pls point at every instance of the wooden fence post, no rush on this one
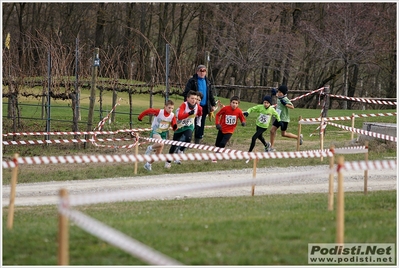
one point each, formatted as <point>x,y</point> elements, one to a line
<point>321,137</point>
<point>10,219</point>
<point>63,232</point>
<point>136,152</point>
<point>340,203</point>
<point>366,172</point>
<point>326,105</point>
<point>331,181</point>
<point>96,64</point>
<point>130,109</point>
<point>352,125</point>
<point>114,101</point>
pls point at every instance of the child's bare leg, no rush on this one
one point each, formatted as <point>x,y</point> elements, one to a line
<point>158,147</point>
<point>273,132</point>
<point>288,135</point>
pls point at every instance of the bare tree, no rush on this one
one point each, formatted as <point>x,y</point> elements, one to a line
<point>346,31</point>
<point>304,45</point>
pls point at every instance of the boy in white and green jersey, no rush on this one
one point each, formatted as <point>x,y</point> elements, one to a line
<point>283,104</point>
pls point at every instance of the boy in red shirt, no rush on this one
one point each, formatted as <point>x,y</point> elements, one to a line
<point>188,110</point>
<point>226,121</point>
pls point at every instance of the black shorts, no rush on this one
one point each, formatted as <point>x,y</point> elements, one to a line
<point>277,125</point>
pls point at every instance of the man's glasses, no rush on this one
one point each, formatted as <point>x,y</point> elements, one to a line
<point>202,71</point>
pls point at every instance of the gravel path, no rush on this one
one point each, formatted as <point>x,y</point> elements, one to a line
<point>31,194</point>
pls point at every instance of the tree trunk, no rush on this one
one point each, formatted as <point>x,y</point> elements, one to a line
<point>200,55</point>
<point>163,20</point>
<point>99,35</point>
<point>353,83</point>
<point>346,77</point>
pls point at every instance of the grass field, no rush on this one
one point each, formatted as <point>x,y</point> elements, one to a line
<point>259,230</point>
<point>240,141</point>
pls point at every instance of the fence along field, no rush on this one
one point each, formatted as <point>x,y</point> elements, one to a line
<point>152,256</point>
<point>82,113</point>
<point>323,114</point>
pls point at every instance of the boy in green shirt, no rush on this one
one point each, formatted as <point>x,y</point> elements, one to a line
<point>266,111</point>
<point>283,104</point>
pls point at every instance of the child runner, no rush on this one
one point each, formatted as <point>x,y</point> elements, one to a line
<point>180,149</point>
<point>226,122</point>
<point>283,104</point>
<point>188,110</point>
<point>164,118</point>
<point>266,111</point>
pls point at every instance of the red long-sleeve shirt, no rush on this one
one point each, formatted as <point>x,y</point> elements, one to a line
<point>155,123</point>
<point>228,118</point>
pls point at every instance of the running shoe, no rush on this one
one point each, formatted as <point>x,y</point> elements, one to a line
<point>214,161</point>
<point>178,161</point>
<point>300,139</point>
<point>272,149</point>
<point>167,165</point>
<point>149,150</point>
<point>147,166</point>
<point>267,147</point>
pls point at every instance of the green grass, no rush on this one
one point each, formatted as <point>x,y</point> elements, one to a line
<point>240,140</point>
<point>259,230</point>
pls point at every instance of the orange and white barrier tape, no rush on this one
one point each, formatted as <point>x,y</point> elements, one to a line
<point>363,100</point>
<point>77,133</point>
<point>341,118</point>
<point>126,158</point>
<point>102,122</point>
<point>117,238</point>
<point>41,142</point>
<point>307,94</point>
<point>223,153</point>
<point>193,146</point>
<point>132,246</point>
<point>351,150</point>
<point>344,150</point>
<point>370,165</point>
<point>148,254</point>
<point>365,132</point>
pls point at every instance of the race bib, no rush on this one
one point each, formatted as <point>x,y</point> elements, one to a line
<point>185,122</point>
<point>164,125</point>
<point>264,118</point>
<point>278,111</point>
<point>231,119</point>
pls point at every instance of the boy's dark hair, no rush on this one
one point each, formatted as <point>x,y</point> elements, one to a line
<point>191,92</point>
<point>236,98</point>
<point>199,94</point>
<point>169,102</point>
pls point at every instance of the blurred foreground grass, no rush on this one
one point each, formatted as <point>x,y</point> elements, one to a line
<point>258,230</point>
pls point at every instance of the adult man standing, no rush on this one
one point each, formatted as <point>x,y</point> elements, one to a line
<point>199,82</point>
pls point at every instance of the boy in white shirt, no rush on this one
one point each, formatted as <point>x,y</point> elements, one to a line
<point>164,118</point>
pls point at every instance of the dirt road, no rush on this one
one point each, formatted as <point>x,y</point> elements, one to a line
<point>31,194</point>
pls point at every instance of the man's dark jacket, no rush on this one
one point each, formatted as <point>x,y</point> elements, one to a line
<point>192,84</point>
